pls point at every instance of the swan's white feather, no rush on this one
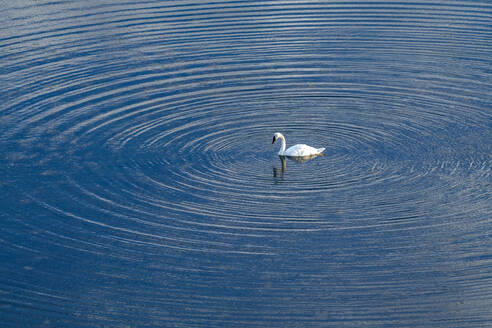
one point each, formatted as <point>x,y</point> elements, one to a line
<point>302,150</point>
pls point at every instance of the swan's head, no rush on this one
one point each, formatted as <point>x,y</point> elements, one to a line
<point>276,136</point>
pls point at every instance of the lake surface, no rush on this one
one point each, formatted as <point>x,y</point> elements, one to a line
<point>139,186</point>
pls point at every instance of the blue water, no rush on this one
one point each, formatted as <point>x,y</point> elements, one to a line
<point>139,186</point>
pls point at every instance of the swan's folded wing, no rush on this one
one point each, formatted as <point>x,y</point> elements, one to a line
<point>301,150</point>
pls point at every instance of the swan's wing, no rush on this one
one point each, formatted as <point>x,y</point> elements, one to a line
<point>301,150</point>
<point>295,150</point>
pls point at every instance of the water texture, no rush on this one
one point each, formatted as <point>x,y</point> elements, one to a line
<point>139,186</point>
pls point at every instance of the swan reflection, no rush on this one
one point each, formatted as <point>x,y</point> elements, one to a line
<point>279,173</point>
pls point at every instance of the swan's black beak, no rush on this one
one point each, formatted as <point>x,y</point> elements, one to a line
<point>273,139</point>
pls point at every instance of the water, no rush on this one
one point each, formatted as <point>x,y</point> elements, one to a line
<point>140,187</point>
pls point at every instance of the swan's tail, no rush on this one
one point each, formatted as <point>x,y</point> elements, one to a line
<point>320,150</point>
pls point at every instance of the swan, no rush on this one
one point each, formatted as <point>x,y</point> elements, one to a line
<point>299,150</point>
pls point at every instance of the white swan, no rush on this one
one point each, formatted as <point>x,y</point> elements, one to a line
<point>297,150</point>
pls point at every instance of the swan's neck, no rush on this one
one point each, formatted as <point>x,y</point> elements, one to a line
<point>282,145</point>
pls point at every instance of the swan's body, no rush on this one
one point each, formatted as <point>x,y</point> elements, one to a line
<point>299,150</point>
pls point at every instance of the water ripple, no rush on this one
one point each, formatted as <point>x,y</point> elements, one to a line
<point>134,131</point>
